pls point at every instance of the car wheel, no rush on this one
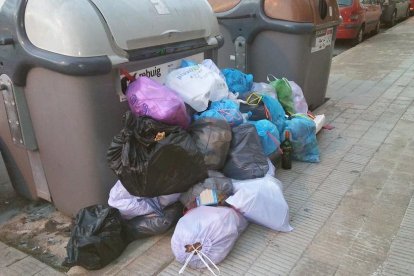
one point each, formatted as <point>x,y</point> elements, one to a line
<point>393,19</point>
<point>377,27</point>
<point>360,36</point>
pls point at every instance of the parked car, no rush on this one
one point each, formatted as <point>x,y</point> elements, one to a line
<point>394,10</point>
<point>360,17</point>
<point>411,7</point>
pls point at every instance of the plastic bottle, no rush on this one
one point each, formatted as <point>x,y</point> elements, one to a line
<point>286,148</point>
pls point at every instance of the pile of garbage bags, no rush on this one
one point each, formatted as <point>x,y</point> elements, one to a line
<point>197,152</point>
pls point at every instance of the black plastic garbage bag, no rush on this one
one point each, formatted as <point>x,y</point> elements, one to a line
<point>258,111</point>
<point>96,239</point>
<point>254,104</point>
<point>213,138</point>
<point>215,181</point>
<point>246,159</point>
<point>152,224</point>
<point>153,159</point>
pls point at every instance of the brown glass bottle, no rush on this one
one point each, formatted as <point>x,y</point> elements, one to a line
<point>287,149</point>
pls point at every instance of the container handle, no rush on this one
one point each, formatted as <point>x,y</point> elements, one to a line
<point>6,40</point>
<point>170,32</point>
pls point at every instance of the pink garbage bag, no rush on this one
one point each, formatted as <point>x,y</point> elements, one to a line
<point>147,97</point>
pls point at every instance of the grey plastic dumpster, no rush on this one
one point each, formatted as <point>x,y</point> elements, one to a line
<point>285,38</point>
<point>60,63</point>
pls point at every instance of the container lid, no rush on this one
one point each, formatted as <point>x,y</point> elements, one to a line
<point>311,11</point>
<point>145,23</point>
<point>92,28</point>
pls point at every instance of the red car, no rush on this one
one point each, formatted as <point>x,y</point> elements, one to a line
<point>360,17</point>
<point>411,7</point>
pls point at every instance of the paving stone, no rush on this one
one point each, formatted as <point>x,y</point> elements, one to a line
<point>159,255</point>
<point>402,133</point>
<point>286,177</point>
<point>47,271</point>
<point>310,178</point>
<point>321,170</point>
<point>392,92</point>
<point>309,266</point>
<point>390,151</point>
<point>26,266</point>
<point>356,158</point>
<point>351,213</point>
<point>299,167</point>
<point>408,117</point>
<point>376,134</point>
<point>350,167</point>
<point>403,178</point>
<point>363,150</point>
<point>327,251</point>
<point>357,266</point>
<point>130,254</point>
<point>369,142</point>
<point>9,256</point>
<point>387,213</point>
<point>343,272</point>
<point>368,244</point>
<point>380,166</point>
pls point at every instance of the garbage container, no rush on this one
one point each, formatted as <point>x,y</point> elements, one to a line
<point>60,64</point>
<point>292,39</point>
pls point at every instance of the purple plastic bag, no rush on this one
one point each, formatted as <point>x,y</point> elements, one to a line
<point>147,97</point>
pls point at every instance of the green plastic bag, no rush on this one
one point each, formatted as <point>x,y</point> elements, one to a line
<point>284,94</point>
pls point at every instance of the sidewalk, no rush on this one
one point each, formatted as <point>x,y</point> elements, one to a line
<point>353,213</point>
<point>12,261</point>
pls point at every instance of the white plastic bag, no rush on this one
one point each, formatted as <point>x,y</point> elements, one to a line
<point>261,201</point>
<point>132,206</point>
<point>213,67</point>
<point>197,85</point>
<point>264,89</point>
<point>206,235</point>
<point>298,99</point>
<point>319,121</point>
<point>272,168</point>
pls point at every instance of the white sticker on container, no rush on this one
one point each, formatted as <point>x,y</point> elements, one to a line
<point>323,39</point>
<point>330,11</point>
<point>158,72</point>
<point>2,3</point>
<point>160,7</point>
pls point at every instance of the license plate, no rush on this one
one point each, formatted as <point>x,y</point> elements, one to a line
<point>323,39</point>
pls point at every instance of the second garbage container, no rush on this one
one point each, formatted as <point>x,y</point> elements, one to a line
<point>292,39</point>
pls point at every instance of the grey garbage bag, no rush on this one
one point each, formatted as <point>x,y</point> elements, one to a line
<point>246,159</point>
<point>152,224</point>
<point>212,137</point>
<point>133,206</point>
<point>215,181</point>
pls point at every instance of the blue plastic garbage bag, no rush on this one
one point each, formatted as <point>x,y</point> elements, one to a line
<point>225,109</point>
<point>268,134</point>
<point>276,112</point>
<point>237,81</point>
<point>187,63</point>
<point>303,138</point>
